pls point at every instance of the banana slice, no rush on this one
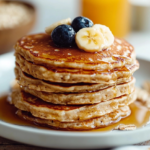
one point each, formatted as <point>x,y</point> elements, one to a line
<point>108,36</point>
<point>90,40</point>
<point>49,29</point>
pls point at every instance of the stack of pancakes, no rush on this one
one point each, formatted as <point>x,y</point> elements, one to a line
<point>71,89</point>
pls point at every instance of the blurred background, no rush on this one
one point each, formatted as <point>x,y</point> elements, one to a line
<point>129,19</point>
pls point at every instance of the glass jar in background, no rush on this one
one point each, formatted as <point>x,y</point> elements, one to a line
<point>113,13</point>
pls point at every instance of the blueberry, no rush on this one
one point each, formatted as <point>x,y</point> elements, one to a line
<point>81,22</point>
<point>63,36</point>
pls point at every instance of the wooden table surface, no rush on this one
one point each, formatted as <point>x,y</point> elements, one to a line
<point>6,144</point>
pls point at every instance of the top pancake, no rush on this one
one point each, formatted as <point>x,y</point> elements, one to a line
<point>40,49</point>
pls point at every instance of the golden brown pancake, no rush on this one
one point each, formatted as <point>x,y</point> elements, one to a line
<point>75,89</point>
<point>40,50</point>
<point>86,97</point>
<point>99,122</point>
<point>32,83</point>
<point>75,75</point>
<point>63,113</point>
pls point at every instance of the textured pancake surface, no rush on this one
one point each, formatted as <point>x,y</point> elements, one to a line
<point>86,97</point>
<point>40,49</point>
<point>63,113</point>
<point>32,83</point>
<point>102,121</point>
<point>75,75</point>
<point>68,88</point>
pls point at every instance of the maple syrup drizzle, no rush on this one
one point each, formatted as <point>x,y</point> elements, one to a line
<point>140,116</point>
<point>7,113</point>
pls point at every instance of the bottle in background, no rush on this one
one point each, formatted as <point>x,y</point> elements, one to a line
<point>113,13</point>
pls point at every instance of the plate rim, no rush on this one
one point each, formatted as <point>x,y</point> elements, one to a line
<point>70,133</point>
<point>88,138</point>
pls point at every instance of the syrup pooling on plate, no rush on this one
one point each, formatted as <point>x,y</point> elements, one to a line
<point>139,116</point>
<point>8,113</point>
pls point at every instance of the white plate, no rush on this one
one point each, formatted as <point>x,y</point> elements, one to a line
<point>63,139</point>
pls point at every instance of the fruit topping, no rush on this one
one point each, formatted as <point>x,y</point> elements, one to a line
<point>63,35</point>
<point>108,36</point>
<point>81,22</point>
<point>90,40</point>
<point>49,29</point>
<point>82,32</point>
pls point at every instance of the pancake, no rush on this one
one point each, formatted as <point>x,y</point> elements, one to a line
<point>84,98</point>
<point>40,50</point>
<point>38,108</point>
<point>99,122</point>
<point>32,83</point>
<point>66,75</point>
<point>68,88</point>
